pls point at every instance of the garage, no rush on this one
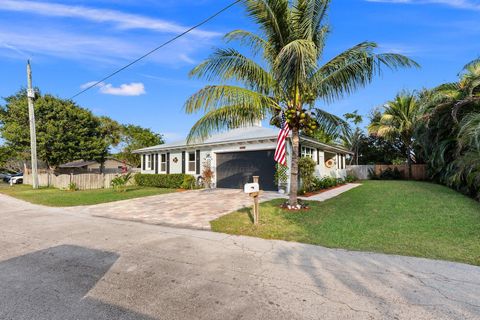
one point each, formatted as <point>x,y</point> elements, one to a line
<point>234,169</point>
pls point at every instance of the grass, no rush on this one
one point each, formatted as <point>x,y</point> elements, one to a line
<point>61,198</point>
<point>397,217</point>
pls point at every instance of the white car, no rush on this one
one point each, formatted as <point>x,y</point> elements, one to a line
<point>16,180</point>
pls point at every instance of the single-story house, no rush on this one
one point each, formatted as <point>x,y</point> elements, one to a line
<point>237,155</point>
<point>111,165</point>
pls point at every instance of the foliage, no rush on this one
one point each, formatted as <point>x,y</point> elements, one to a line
<point>351,177</point>
<point>387,174</point>
<point>289,77</point>
<point>398,161</point>
<point>72,186</point>
<point>398,122</point>
<point>120,182</point>
<point>135,137</point>
<point>450,129</point>
<point>395,217</point>
<point>306,166</point>
<point>65,131</point>
<point>326,183</point>
<point>188,182</point>
<point>207,174</point>
<point>377,150</point>
<point>58,198</point>
<point>175,180</point>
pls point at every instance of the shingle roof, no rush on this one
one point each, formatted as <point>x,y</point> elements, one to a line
<point>76,164</point>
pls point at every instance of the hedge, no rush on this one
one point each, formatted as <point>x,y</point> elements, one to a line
<point>175,180</point>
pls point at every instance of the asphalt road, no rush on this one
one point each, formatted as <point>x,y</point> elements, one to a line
<point>57,264</point>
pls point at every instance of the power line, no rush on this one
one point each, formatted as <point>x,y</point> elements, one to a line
<point>157,48</point>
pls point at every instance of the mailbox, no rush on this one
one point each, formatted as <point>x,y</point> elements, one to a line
<point>251,187</point>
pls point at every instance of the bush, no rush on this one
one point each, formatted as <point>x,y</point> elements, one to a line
<point>119,183</point>
<point>175,180</point>
<point>387,174</point>
<point>306,167</point>
<point>188,182</point>
<point>351,177</point>
<point>390,174</point>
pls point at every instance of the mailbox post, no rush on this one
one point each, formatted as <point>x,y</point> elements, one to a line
<point>253,190</point>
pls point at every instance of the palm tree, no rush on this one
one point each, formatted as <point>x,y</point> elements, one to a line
<point>282,73</point>
<point>449,133</point>
<point>398,121</point>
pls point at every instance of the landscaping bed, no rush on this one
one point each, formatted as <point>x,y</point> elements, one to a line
<point>397,217</point>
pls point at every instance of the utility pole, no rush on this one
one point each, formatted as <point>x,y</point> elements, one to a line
<point>33,135</point>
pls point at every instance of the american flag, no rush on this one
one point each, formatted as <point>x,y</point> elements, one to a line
<point>280,151</point>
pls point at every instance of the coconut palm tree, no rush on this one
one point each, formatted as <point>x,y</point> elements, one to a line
<point>282,73</point>
<point>398,121</point>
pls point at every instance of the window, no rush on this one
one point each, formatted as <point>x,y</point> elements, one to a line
<point>307,152</point>
<point>191,162</point>
<point>163,162</point>
<point>149,161</point>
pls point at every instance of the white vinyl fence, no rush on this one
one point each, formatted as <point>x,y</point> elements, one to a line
<point>361,171</point>
<point>83,181</point>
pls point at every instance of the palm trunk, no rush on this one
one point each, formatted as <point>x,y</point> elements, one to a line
<point>409,162</point>
<point>294,167</point>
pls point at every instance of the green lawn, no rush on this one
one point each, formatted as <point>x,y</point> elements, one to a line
<point>60,198</point>
<point>399,217</point>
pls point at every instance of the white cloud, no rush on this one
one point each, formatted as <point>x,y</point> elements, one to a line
<point>119,19</point>
<point>126,89</point>
<point>460,4</point>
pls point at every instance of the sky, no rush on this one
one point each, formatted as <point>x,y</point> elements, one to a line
<point>74,42</point>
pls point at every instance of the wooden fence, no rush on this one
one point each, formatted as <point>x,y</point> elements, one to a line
<point>419,171</point>
<point>83,181</point>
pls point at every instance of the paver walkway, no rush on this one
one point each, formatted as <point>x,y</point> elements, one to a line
<point>60,265</point>
<point>332,193</point>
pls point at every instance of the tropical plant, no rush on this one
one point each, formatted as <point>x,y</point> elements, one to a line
<point>398,121</point>
<point>450,131</point>
<point>135,137</point>
<point>283,74</point>
<point>306,166</point>
<point>120,182</point>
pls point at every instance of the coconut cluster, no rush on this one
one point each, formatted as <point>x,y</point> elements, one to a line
<point>302,119</point>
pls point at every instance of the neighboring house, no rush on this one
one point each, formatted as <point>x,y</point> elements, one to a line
<point>237,155</point>
<point>111,165</point>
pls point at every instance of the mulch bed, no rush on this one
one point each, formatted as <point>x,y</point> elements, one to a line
<point>309,194</point>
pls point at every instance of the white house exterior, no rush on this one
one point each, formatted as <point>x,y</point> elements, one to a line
<point>237,155</point>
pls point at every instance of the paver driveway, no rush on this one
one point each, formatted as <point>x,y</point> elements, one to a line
<point>56,265</point>
<point>189,209</point>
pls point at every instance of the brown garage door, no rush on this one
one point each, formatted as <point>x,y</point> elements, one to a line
<point>234,169</point>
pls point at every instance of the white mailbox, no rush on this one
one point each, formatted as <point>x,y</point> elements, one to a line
<point>251,187</point>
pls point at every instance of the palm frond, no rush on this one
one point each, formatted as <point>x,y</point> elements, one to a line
<point>331,124</point>
<point>225,117</point>
<point>353,69</point>
<point>229,64</point>
<point>256,43</point>
<point>212,97</point>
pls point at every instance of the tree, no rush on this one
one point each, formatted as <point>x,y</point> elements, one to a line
<point>351,139</point>
<point>65,131</point>
<point>282,74</point>
<point>449,131</point>
<point>398,121</point>
<point>135,137</point>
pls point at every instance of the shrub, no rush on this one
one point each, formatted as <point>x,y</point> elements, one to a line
<point>119,183</point>
<point>351,177</point>
<point>390,174</point>
<point>72,186</point>
<point>188,182</point>
<point>306,167</point>
<point>175,180</point>
<point>207,175</point>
